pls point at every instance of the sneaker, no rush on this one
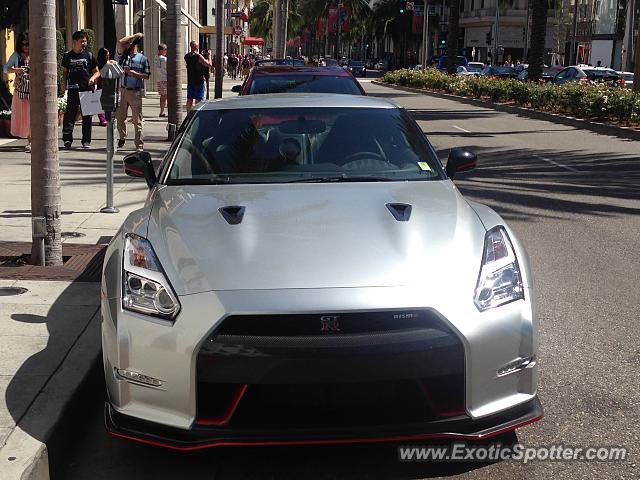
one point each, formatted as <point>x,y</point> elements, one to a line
<point>120,143</point>
<point>67,145</point>
<point>162,115</point>
<point>27,149</point>
<point>86,145</point>
<point>103,124</point>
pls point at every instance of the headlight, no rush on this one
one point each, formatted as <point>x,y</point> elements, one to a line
<point>145,288</point>
<point>499,281</point>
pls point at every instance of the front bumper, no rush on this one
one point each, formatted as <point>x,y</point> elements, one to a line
<point>170,352</point>
<point>460,428</point>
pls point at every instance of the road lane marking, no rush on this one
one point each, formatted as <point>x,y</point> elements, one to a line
<point>461,129</point>
<point>557,164</point>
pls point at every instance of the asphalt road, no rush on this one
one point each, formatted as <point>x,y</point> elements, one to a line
<point>573,197</point>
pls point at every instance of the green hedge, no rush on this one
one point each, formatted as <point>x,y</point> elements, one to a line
<point>60,49</point>
<point>597,101</point>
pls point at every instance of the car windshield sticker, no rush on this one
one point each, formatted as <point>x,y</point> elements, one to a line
<point>424,166</point>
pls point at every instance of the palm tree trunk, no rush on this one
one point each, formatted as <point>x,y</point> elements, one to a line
<point>452,36</point>
<point>45,171</point>
<point>284,23</point>
<point>538,38</point>
<point>275,35</point>
<point>174,70</point>
<point>636,69</point>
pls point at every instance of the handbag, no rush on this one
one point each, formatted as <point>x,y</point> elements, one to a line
<point>22,82</point>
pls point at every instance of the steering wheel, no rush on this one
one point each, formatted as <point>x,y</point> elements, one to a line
<point>363,156</point>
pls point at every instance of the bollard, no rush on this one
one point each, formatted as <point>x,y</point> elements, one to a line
<point>39,232</point>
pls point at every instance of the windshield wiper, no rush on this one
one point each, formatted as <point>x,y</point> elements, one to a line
<point>342,178</point>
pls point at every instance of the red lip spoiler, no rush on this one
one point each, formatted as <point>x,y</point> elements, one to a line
<point>452,436</point>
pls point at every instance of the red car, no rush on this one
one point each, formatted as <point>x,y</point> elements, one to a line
<point>290,79</point>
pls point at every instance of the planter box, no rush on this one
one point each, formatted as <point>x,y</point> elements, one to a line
<point>5,127</point>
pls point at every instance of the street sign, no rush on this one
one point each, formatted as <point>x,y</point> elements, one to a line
<point>410,6</point>
<point>237,30</point>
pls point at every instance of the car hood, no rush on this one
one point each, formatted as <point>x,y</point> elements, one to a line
<point>324,235</point>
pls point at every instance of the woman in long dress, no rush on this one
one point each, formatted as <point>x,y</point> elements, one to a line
<point>18,63</point>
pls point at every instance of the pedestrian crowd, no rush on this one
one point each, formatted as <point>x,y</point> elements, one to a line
<point>81,74</point>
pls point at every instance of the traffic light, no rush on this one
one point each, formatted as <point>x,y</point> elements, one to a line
<point>524,34</point>
<point>489,37</point>
<point>403,6</point>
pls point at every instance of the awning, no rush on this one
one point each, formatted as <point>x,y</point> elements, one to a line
<point>253,41</point>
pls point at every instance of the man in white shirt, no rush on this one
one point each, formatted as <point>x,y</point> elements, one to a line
<point>161,67</point>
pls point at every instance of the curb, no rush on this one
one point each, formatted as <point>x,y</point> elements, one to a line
<point>597,127</point>
<point>24,457</point>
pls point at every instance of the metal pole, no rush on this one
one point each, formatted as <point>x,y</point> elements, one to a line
<point>109,208</point>
<point>219,37</point>
<point>496,29</point>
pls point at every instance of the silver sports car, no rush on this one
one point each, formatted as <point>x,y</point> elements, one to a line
<point>305,271</point>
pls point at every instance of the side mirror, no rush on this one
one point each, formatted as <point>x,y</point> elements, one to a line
<point>236,88</point>
<point>139,164</point>
<point>460,160</point>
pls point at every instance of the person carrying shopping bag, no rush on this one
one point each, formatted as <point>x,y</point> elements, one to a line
<point>80,74</point>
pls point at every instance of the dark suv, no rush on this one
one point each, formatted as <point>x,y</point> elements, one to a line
<point>291,79</point>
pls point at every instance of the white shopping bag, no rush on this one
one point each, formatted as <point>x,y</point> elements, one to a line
<point>90,102</point>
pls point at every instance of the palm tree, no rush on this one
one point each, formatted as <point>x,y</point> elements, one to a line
<point>45,170</point>
<point>538,38</point>
<point>174,70</point>
<point>452,36</point>
<point>261,19</point>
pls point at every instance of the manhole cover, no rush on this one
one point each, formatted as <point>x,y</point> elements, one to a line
<point>11,291</point>
<point>72,234</point>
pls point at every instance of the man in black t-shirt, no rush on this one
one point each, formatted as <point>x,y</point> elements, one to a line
<point>80,73</point>
<point>197,66</point>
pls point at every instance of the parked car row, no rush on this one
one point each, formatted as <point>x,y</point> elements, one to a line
<point>554,75</point>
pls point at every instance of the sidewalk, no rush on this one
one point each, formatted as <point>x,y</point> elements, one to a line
<point>50,334</point>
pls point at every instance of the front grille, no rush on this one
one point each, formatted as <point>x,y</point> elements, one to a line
<point>293,325</point>
<point>369,368</point>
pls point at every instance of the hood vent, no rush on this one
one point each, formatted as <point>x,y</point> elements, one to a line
<point>233,214</point>
<point>401,211</point>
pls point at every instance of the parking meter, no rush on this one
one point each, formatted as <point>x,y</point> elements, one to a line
<point>111,74</point>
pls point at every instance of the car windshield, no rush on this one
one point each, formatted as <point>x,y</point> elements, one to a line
<point>278,145</point>
<point>304,83</point>
<point>356,63</point>
<point>628,77</point>
<point>504,70</point>
<point>474,68</point>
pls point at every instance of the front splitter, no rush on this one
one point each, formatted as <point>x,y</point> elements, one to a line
<point>458,428</point>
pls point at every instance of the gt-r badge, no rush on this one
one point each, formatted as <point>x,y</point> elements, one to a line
<point>329,324</point>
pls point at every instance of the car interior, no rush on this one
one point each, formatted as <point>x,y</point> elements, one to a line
<point>243,142</point>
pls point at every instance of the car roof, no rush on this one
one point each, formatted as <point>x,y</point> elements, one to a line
<point>297,100</point>
<point>293,70</point>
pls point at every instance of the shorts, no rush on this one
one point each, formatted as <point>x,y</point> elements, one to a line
<point>162,87</point>
<point>196,92</point>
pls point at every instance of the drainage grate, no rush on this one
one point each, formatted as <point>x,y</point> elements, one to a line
<point>72,235</point>
<point>12,291</point>
<point>82,263</point>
